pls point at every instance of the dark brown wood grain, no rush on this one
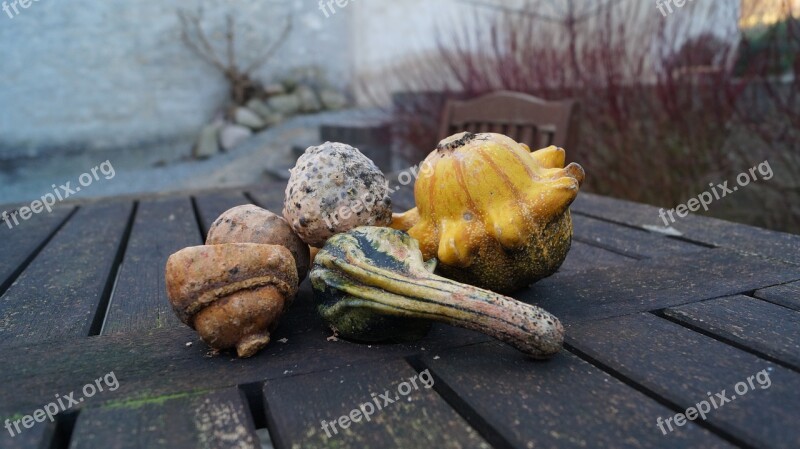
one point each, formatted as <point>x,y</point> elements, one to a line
<point>37,437</point>
<point>160,228</point>
<point>787,295</point>
<point>563,402</point>
<point>60,294</point>
<point>636,243</point>
<point>758,325</point>
<point>654,284</point>
<point>19,244</point>
<point>216,419</point>
<point>684,367</point>
<point>582,256</point>
<point>705,230</point>
<point>153,363</point>
<point>408,417</point>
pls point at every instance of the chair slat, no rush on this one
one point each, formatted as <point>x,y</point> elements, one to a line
<point>520,114</point>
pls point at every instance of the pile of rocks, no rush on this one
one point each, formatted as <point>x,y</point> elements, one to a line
<point>280,102</point>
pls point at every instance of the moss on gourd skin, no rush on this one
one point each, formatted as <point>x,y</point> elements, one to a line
<point>371,284</point>
<point>495,214</point>
<point>346,313</point>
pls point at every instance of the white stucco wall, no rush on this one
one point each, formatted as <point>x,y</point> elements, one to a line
<point>114,73</point>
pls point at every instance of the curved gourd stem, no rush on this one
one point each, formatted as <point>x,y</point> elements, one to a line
<point>415,293</point>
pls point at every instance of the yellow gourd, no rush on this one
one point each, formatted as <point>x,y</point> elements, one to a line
<point>495,214</point>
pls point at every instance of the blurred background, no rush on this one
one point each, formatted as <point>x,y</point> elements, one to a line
<point>182,95</point>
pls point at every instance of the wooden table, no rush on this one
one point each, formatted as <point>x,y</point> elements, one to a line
<point>655,324</point>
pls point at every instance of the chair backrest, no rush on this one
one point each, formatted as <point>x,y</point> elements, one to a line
<point>524,118</point>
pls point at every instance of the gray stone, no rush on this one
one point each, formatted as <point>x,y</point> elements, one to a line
<point>207,144</point>
<point>259,107</point>
<point>232,135</point>
<point>273,118</point>
<point>274,89</point>
<point>332,99</point>
<point>308,99</point>
<point>289,85</point>
<point>285,104</point>
<point>248,118</point>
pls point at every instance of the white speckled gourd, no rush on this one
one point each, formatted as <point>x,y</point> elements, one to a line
<point>334,188</point>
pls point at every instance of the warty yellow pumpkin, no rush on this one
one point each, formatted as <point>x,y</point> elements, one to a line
<point>494,214</point>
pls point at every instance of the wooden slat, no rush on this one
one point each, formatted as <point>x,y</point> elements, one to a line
<point>787,295</point>
<point>302,315</point>
<point>270,197</point>
<point>157,362</point>
<point>763,327</point>
<point>218,419</point>
<point>706,230</point>
<point>59,294</point>
<point>297,406</point>
<point>211,206</point>
<point>37,437</point>
<point>655,284</point>
<point>140,302</point>
<point>684,367</point>
<point>527,134</point>
<point>582,256</point>
<point>563,402</point>
<point>18,244</point>
<point>497,127</point>
<point>636,243</point>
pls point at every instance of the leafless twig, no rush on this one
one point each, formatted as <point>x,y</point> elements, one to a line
<point>242,85</point>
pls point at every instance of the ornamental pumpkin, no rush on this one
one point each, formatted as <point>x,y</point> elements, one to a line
<point>371,284</point>
<point>494,214</point>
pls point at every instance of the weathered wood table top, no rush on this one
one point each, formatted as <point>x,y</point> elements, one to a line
<point>656,325</point>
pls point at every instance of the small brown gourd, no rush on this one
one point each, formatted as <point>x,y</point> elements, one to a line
<point>232,294</point>
<point>252,224</point>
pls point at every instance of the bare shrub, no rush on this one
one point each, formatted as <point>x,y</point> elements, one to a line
<point>663,109</point>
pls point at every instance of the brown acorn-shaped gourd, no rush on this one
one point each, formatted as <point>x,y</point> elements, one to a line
<point>232,294</point>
